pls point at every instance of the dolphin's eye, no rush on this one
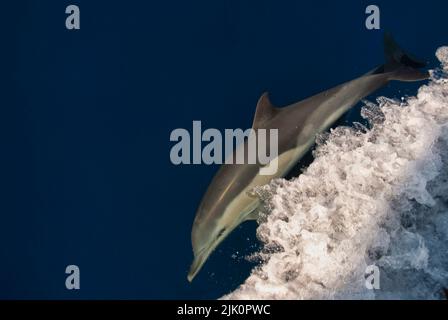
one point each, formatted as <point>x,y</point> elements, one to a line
<point>221,232</point>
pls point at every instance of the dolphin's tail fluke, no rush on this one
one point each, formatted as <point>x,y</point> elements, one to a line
<point>395,56</point>
<point>401,65</point>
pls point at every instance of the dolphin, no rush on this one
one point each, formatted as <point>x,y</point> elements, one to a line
<point>228,200</point>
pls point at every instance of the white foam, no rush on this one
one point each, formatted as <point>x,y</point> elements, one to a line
<point>371,196</point>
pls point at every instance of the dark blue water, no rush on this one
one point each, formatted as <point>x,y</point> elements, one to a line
<point>87,115</point>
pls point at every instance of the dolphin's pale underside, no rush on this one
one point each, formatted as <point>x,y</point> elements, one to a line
<point>228,201</point>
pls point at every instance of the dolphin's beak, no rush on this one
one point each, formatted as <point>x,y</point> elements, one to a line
<point>197,264</point>
<point>204,253</point>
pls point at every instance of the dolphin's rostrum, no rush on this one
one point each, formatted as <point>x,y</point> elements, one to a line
<point>228,201</point>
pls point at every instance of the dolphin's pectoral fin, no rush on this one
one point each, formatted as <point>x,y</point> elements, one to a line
<point>253,215</point>
<point>264,112</point>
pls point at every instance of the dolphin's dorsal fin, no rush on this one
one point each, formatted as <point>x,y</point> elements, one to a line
<point>265,111</point>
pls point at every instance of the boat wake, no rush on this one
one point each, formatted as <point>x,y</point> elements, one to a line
<point>373,196</point>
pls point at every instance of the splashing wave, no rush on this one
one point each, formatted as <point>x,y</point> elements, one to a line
<point>375,196</point>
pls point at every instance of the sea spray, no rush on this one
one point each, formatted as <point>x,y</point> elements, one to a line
<point>373,196</point>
